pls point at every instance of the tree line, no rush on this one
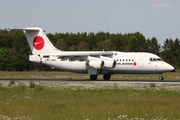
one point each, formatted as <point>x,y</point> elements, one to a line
<point>15,51</point>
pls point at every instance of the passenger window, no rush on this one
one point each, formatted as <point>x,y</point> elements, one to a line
<point>46,56</point>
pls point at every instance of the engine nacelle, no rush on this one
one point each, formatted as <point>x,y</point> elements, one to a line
<point>98,64</point>
<point>109,63</point>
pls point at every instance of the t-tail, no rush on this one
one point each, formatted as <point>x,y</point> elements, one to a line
<point>39,42</point>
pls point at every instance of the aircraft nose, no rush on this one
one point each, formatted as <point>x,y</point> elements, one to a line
<point>171,68</point>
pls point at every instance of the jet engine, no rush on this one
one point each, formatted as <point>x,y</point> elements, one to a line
<point>109,63</point>
<point>98,64</point>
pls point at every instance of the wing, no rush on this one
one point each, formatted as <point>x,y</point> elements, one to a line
<point>84,55</point>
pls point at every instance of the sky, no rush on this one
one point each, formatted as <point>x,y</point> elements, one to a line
<point>152,18</point>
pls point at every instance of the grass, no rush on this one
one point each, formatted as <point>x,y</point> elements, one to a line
<point>76,76</point>
<point>31,84</point>
<point>112,102</point>
<point>45,103</point>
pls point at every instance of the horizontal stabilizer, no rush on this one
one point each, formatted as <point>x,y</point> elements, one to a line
<point>26,29</point>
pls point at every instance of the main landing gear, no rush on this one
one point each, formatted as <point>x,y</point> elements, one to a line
<point>105,77</point>
<point>93,77</point>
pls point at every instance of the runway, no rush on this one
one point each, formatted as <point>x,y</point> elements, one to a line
<point>93,82</point>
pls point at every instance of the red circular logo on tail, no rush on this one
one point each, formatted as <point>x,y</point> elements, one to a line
<point>38,42</point>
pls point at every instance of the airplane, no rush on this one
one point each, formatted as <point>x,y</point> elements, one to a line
<point>92,62</point>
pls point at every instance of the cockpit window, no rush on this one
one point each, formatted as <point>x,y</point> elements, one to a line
<point>159,59</point>
<point>150,59</point>
<point>155,59</point>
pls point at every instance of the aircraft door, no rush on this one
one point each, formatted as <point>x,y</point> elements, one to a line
<point>153,62</point>
<point>141,61</point>
<point>59,62</point>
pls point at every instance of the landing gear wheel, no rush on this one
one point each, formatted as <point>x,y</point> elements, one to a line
<point>161,78</point>
<point>93,77</point>
<point>107,76</point>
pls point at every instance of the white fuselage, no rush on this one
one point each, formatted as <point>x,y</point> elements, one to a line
<point>126,63</point>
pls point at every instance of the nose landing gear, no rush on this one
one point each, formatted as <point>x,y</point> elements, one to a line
<point>161,78</point>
